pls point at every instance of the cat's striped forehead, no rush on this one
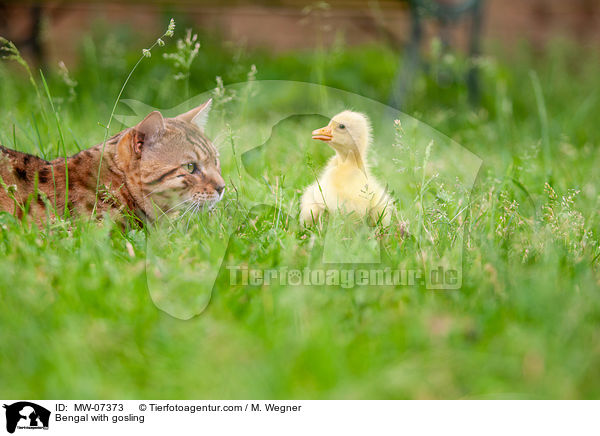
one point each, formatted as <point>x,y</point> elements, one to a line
<point>185,136</point>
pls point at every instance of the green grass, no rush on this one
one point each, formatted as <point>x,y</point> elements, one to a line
<point>79,321</point>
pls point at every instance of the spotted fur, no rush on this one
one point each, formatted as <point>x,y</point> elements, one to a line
<point>147,170</point>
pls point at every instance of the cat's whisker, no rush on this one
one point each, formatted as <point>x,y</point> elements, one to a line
<point>187,223</point>
<point>189,209</point>
<point>177,205</point>
<point>196,207</point>
<point>185,212</point>
<point>151,192</point>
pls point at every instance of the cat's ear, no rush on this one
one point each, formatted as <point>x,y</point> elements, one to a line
<point>152,125</point>
<point>198,115</point>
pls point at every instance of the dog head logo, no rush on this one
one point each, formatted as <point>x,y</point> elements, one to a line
<point>26,415</point>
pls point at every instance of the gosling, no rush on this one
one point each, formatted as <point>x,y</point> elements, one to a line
<point>346,184</point>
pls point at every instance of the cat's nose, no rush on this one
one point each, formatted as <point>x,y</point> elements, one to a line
<point>220,189</point>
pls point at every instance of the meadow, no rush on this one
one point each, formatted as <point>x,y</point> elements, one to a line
<point>505,191</point>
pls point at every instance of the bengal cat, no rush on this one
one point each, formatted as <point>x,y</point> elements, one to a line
<point>157,166</point>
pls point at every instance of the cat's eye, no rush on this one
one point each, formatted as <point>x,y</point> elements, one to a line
<point>342,126</point>
<point>190,167</point>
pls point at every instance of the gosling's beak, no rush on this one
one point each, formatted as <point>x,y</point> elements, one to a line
<point>324,134</point>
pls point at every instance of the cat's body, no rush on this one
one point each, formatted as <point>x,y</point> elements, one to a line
<point>146,170</point>
<point>19,172</point>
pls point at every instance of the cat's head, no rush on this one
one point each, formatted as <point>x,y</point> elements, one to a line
<point>171,163</point>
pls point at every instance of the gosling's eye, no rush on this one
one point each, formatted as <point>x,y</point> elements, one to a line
<point>342,126</point>
<point>190,167</point>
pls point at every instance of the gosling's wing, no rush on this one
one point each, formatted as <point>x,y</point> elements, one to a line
<point>312,204</point>
<point>382,204</point>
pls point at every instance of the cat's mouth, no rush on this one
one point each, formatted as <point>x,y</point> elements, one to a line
<point>207,202</point>
<point>197,203</point>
